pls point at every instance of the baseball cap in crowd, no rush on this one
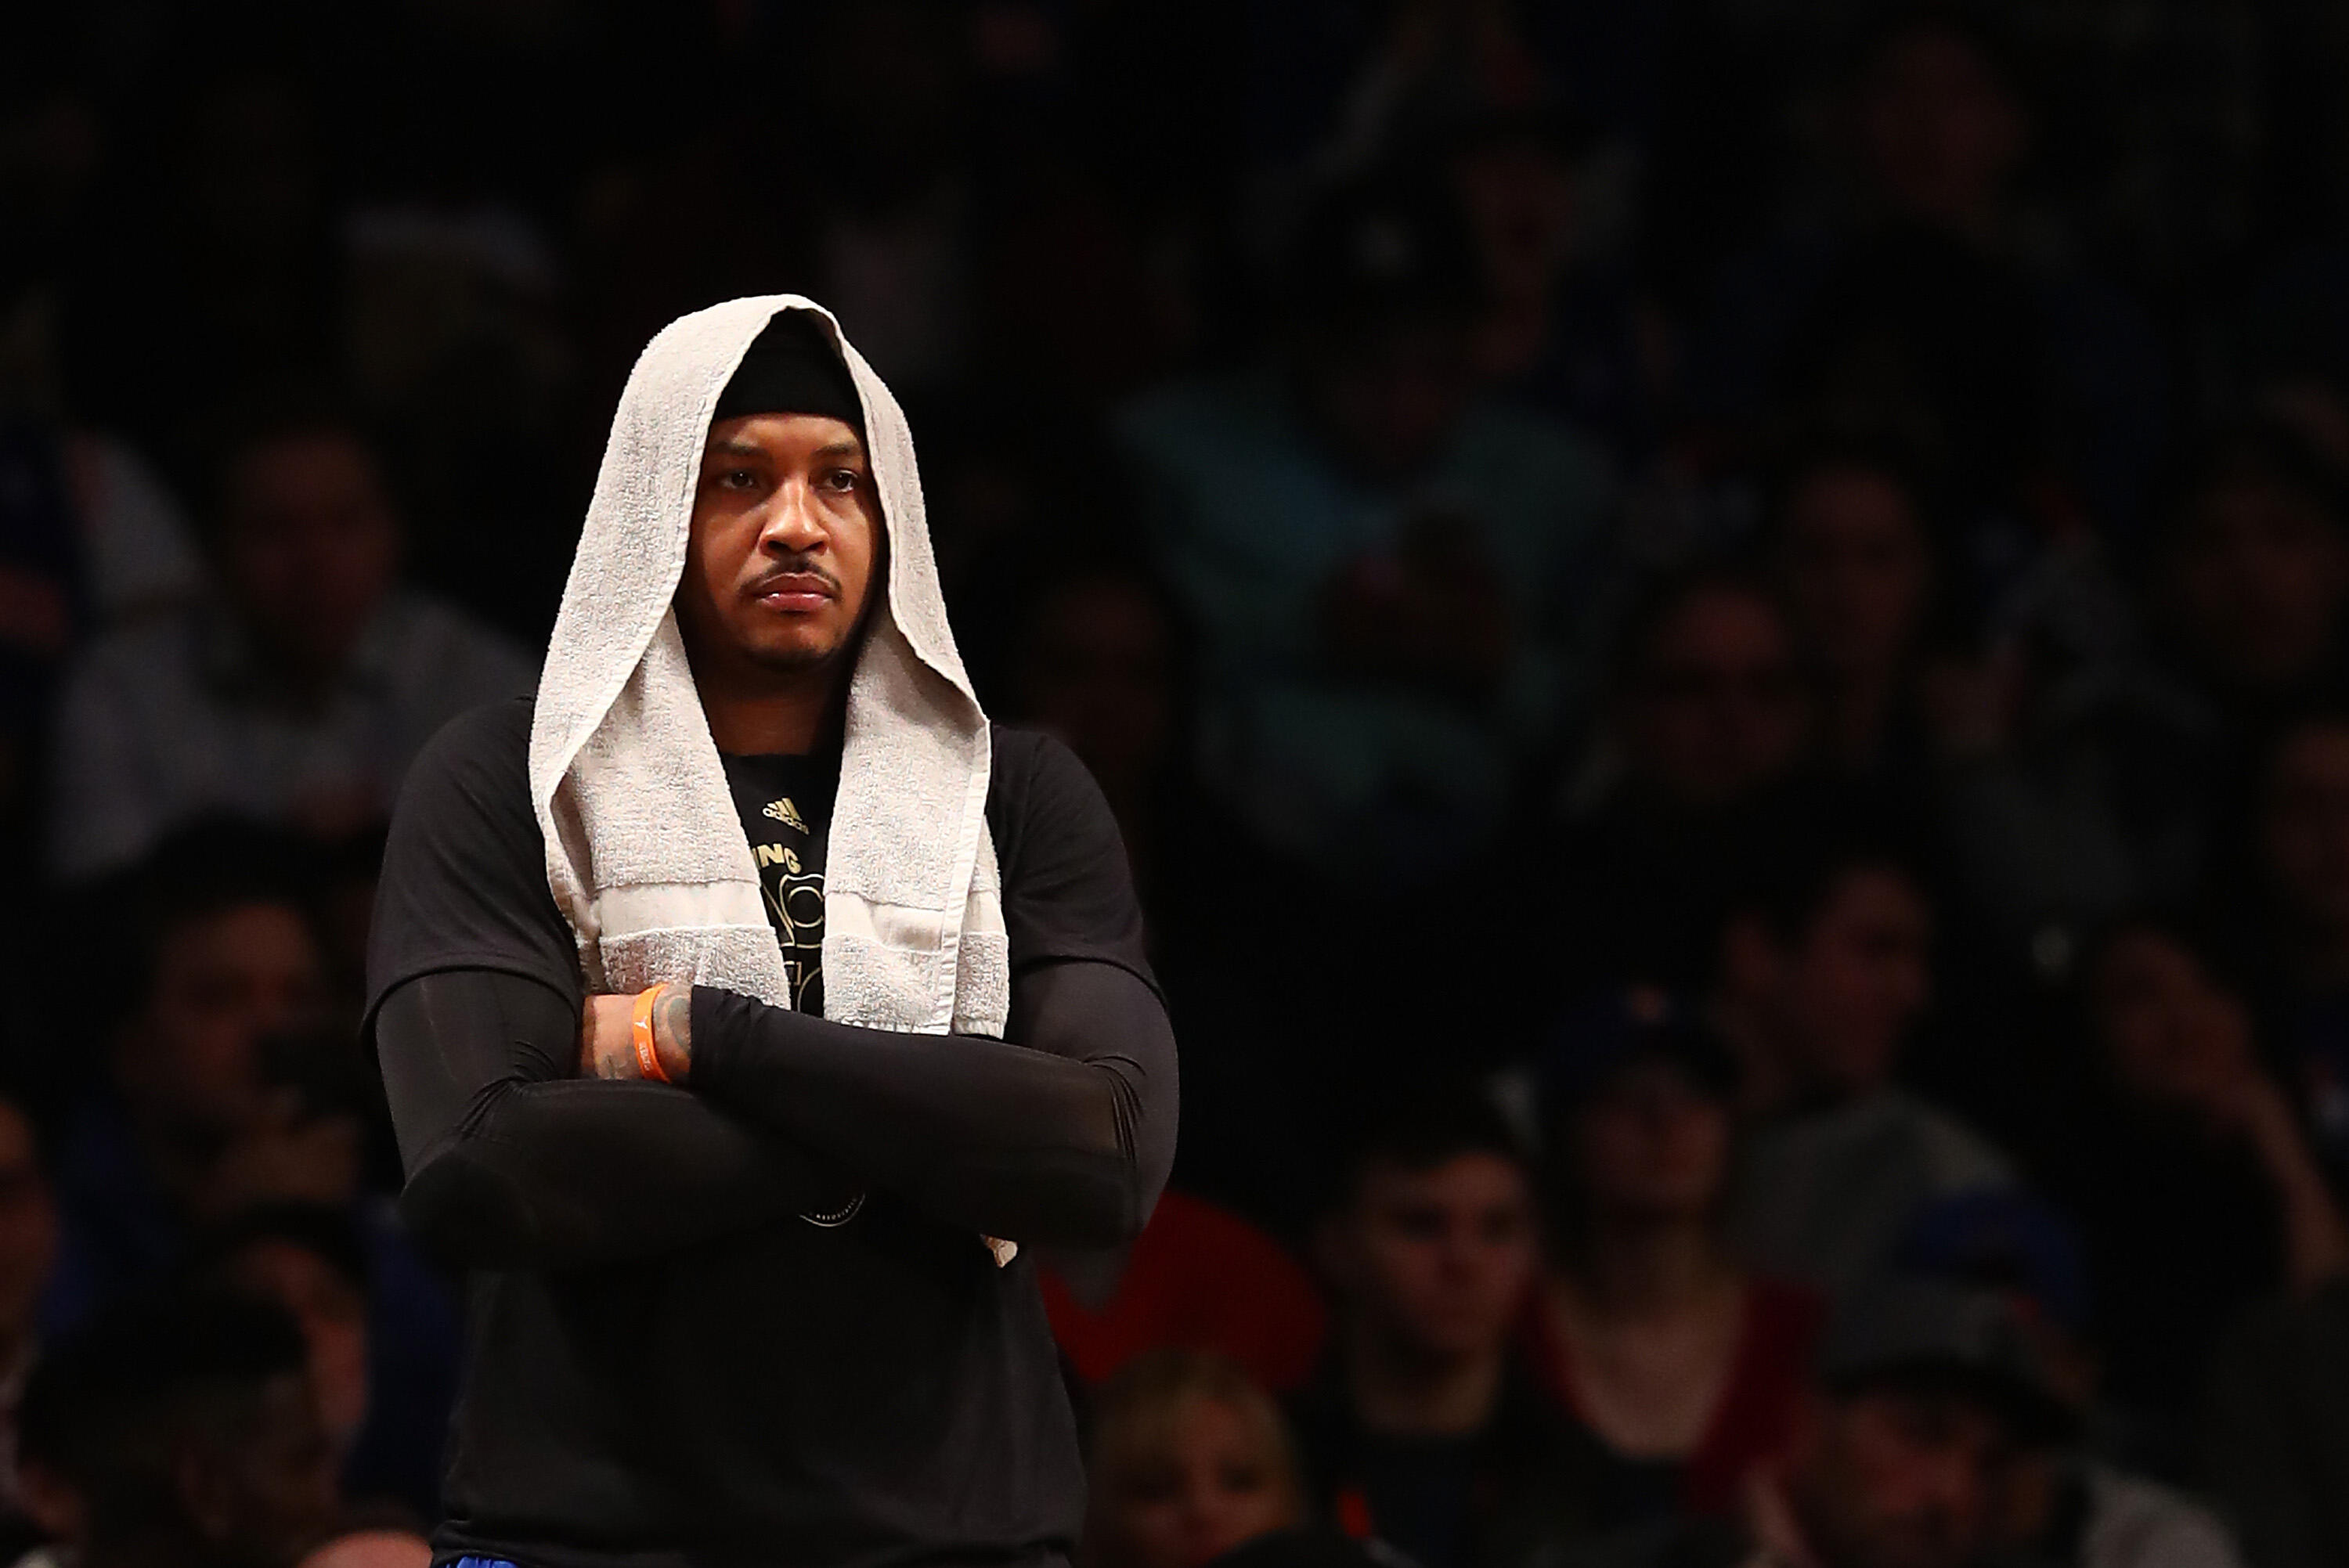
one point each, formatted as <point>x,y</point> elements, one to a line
<point>2002,1240</point>
<point>1907,1332</point>
<point>1616,1030</point>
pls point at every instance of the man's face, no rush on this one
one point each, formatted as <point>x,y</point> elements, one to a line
<point>2305,827</point>
<point>1438,1261</point>
<point>1854,568</point>
<point>786,535</point>
<point>1843,994</point>
<point>1652,1144</point>
<point>1941,133</point>
<point>308,546</point>
<point>1716,709</point>
<point>28,1224</point>
<point>2257,577</point>
<point>1895,1479</point>
<point>221,984</point>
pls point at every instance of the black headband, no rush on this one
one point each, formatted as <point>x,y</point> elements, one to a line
<point>792,368</point>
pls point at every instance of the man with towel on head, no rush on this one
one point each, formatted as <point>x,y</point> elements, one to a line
<point>747,1002</point>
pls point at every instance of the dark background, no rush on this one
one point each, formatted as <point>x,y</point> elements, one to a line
<point>2054,292</point>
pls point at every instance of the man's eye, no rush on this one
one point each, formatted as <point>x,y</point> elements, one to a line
<point>738,479</point>
<point>842,480</point>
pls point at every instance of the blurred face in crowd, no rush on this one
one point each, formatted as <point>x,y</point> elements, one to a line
<point>28,1226</point>
<point>222,983</point>
<point>2304,828</point>
<point>1836,997</point>
<point>1436,1263</point>
<point>1715,709</point>
<point>308,546</point>
<point>1518,195</point>
<point>1854,568</point>
<point>785,540</point>
<point>1212,1479</point>
<point>2170,1034</point>
<point>2258,574</point>
<point>1890,1477</point>
<point>1652,1146</point>
<point>1386,398</point>
<point>331,1311</point>
<point>260,1487</point>
<point>1939,130</point>
<point>1097,670</point>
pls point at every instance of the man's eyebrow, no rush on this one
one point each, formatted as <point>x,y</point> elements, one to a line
<point>735,447</point>
<point>841,449</point>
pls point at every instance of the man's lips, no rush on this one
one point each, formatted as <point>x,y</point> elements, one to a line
<point>795,593</point>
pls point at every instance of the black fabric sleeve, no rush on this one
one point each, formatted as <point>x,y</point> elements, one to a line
<point>1065,1139</point>
<point>512,1163</point>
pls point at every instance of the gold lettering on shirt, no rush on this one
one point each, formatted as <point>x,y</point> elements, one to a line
<point>781,855</point>
<point>786,813</point>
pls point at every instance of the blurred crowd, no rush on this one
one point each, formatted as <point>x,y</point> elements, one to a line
<point>1718,629</point>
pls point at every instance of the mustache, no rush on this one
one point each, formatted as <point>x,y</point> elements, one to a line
<point>766,581</point>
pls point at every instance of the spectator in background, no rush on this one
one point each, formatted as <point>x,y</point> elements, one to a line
<point>2072,789</point>
<point>1687,1368</point>
<point>229,1088</point>
<point>1388,577</point>
<point>385,1409</point>
<point>1096,659</point>
<point>2252,583</point>
<point>2299,951</point>
<point>188,1433</point>
<point>1423,1431</point>
<point>1708,715</point>
<point>1927,306</point>
<point>1851,551</point>
<point>1560,332</point>
<point>300,696</point>
<point>2197,1191</point>
<point>28,1249</point>
<point>201,1112</point>
<point>1824,971</point>
<point>1923,1396</point>
<point>2065,1503</point>
<point>1188,1459</point>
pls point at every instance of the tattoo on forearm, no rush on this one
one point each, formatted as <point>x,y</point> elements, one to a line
<point>673,1029</point>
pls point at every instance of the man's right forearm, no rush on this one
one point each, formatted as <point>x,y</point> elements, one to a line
<point>510,1166</point>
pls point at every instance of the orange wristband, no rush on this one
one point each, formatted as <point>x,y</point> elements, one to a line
<point>640,1027</point>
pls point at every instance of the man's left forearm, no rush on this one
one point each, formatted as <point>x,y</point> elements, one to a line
<point>1064,1138</point>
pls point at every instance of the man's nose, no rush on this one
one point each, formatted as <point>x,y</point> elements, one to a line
<point>793,523</point>
<point>1953,1494</point>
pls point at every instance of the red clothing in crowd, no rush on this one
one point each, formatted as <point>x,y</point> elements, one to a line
<point>1755,1419</point>
<point>1200,1278</point>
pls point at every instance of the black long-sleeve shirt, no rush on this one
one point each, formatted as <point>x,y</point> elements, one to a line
<point>670,1364</point>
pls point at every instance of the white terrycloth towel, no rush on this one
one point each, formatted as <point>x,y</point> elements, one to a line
<point>643,851</point>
